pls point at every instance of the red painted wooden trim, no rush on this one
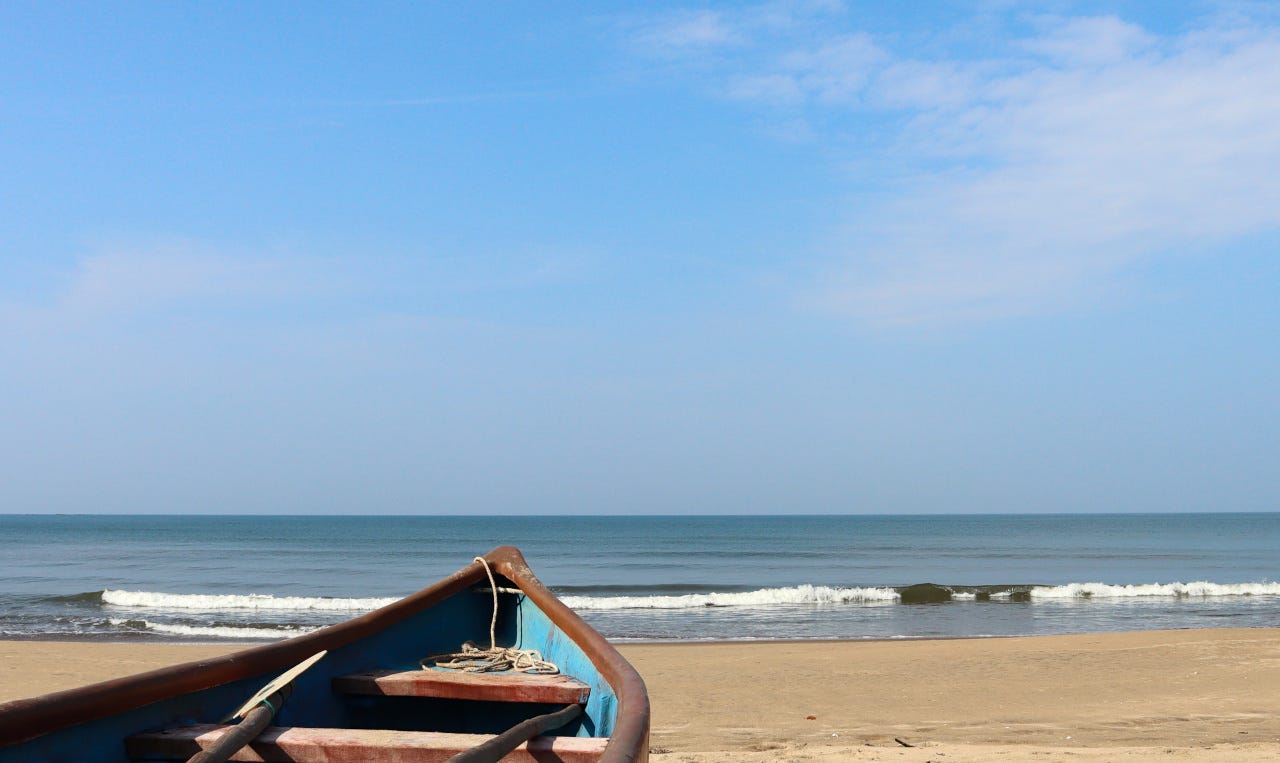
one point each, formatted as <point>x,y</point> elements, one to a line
<point>497,687</point>
<point>308,745</point>
<point>630,740</point>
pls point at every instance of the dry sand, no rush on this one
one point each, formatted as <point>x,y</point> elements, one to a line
<point>1209,695</point>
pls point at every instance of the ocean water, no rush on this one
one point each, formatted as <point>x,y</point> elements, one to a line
<point>247,578</point>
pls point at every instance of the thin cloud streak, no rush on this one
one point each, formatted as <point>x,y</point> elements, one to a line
<point>154,282</point>
<point>467,98</point>
<point>689,30</point>
<point>125,282</point>
<point>690,33</point>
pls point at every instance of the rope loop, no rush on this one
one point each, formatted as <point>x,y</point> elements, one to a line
<point>473,659</point>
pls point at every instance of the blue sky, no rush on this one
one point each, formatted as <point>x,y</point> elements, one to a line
<point>662,258</point>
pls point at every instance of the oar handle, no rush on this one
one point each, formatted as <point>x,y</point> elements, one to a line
<point>246,731</point>
<point>494,749</point>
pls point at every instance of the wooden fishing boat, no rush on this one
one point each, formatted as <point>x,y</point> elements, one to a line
<point>368,698</point>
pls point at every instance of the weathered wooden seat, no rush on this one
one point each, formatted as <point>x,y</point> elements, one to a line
<point>498,687</point>
<point>308,745</point>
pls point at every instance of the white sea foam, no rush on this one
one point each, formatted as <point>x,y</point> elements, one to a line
<point>1199,588</point>
<point>216,631</point>
<point>154,600</point>
<point>809,594</point>
<point>765,597</point>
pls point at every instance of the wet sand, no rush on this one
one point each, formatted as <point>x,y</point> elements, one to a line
<point>1191,695</point>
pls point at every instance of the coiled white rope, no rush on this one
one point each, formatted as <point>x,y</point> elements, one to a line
<point>473,659</point>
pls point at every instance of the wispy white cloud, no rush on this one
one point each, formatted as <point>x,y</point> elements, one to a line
<point>134,280</point>
<point>774,89</point>
<point>836,71</point>
<point>1031,177</point>
<point>1094,40</point>
<point>704,31</point>
<point>498,96</point>
<point>683,32</point>
<point>926,85</point>
<point>1085,170</point>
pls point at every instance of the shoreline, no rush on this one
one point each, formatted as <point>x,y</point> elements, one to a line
<point>1206,695</point>
<point>233,643</point>
<point>622,642</point>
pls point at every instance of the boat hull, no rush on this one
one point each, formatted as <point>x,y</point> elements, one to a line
<point>91,723</point>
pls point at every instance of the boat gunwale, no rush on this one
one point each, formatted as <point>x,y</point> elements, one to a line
<point>28,718</point>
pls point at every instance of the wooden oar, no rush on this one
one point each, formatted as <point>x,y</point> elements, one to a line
<point>271,687</point>
<point>494,749</point>
<point>256,714</point>
<point>246,731</point>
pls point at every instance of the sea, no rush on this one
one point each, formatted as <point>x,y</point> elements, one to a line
<point>248,579</point>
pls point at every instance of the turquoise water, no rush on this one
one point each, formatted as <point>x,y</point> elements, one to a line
<point>716,578</point>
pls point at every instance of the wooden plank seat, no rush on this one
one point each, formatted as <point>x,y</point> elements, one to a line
<point>448,684</point>
<point>307,745</point>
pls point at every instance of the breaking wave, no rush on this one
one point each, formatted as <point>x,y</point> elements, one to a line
<point>765,597</point>
<point>826,595</point>
<point>212,631</point>
<point>761,598</point>
<point>1198,589</point>
<point>153,600</point>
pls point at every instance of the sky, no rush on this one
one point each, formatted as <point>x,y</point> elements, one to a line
<point>775,257</point>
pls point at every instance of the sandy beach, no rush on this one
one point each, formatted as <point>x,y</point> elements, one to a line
<point>1189,695</point>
